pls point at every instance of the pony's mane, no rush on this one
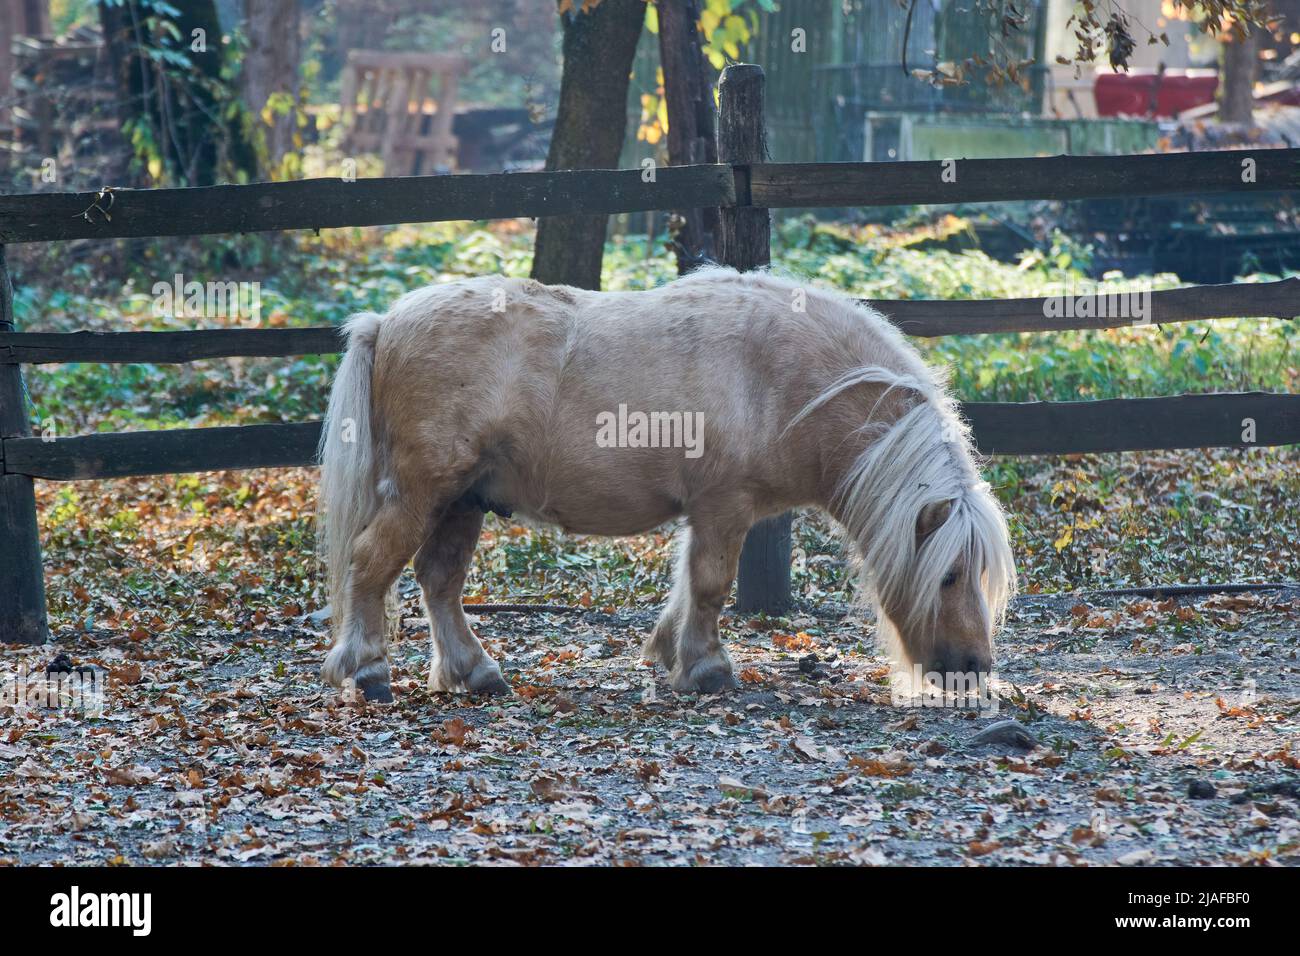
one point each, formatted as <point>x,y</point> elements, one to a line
<point>924,457</point>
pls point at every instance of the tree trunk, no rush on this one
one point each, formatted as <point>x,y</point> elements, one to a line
<point>690,122</point>
<point>189,111</point>
<point>271,66</point>
<point>589,129</point>
<point>9,27</point>
<point>181,107</point>
<point>131,76</point>
<point>37,13</point>
<point>1240,60</point>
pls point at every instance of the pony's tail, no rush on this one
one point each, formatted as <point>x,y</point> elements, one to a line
<point>347,499</point>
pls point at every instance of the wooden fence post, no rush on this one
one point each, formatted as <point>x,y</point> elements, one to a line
<point>22,577</point>
<point>744,241</point>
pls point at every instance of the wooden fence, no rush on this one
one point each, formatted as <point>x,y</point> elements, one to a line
<point>742,186</point>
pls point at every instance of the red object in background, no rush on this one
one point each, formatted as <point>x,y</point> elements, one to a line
<point>1130,94</point>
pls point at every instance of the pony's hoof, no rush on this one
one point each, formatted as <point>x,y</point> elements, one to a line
<point>706,677</point>
<point>488,682</point>
<point>376,690</point>
<point>372,683</point>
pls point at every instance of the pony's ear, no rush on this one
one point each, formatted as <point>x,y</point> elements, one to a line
<point>931,518</point>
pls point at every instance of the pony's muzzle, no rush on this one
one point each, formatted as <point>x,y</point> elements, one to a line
<point>963,660</point>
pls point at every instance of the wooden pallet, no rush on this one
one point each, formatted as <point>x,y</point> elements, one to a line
<point>391,109</point>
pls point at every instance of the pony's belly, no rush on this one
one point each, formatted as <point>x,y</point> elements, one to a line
<point>580,508</point>
<point>603,516</point>
<point>617,523</point>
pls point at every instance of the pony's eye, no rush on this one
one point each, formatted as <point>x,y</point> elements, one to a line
<point>949,580</point>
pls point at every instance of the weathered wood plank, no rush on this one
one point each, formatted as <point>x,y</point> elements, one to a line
<point>334,203</point>
<point>45,348</point>
<point>785,185</point>
<point>1001,428</point>
<point>745,243</point>
<point>939,317</point>
<point>172,451</point>
<point>1135,424</point>
<point>22,575</point>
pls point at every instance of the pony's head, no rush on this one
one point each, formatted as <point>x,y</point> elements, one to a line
<point>935,557</point>
<point>940,596</point>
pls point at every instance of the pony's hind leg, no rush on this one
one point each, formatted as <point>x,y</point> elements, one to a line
<point>458,659</point>
<point>704,578</point>
<point>378,556</point>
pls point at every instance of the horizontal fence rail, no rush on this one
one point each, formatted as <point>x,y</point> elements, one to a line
<point>930,318</point>
<point>921,317</point>
<point>335,203</point>
<point>168,451</point>
<point>778,185</point>
<point>1001,428</point>
<point>48,348</point>
<point>1135,424</point>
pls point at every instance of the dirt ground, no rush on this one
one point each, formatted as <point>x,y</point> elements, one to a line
<point>1160,732</point>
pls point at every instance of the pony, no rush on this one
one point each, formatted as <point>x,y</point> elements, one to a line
<point>720,397</point>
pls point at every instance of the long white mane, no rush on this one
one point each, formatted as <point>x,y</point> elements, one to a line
<point>923,458</point>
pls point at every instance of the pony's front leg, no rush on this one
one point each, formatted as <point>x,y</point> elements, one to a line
<point>709,567</point>
<point>459,661</point>
<point>378,556</point>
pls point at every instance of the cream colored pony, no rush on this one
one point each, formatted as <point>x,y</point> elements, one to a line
<point>567,407</point>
